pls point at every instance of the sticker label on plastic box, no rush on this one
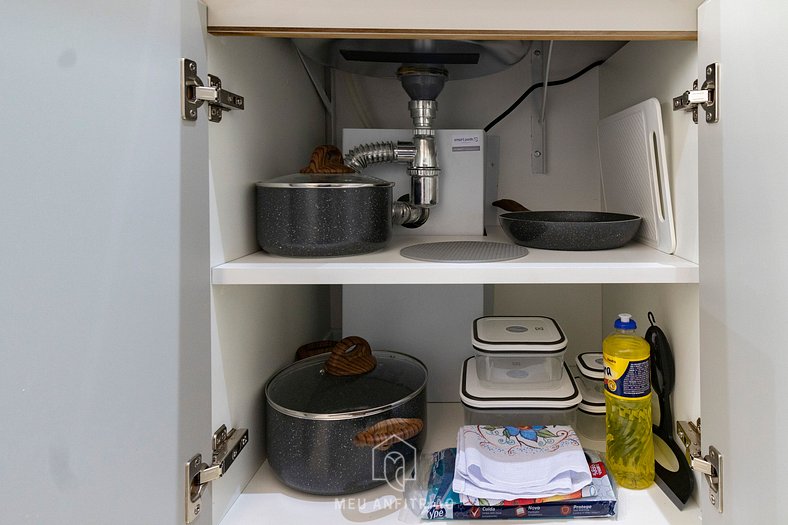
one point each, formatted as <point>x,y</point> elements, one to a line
<point>466,143</point>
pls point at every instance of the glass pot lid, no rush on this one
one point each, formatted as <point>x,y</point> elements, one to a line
<point>305,390</point>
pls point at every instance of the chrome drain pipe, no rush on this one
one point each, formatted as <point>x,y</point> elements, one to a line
<point>423,169</point>
<point>423,84</point>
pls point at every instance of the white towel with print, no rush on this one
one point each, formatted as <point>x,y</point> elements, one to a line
<point>519,462</point>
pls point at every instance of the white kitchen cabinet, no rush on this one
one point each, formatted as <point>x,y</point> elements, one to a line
<point>467,19</point>
<point>112,335</point>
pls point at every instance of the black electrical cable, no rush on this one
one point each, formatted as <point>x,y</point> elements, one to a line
<point>531,89</point>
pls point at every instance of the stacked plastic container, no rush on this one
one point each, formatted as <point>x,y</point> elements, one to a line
<point>518,375</point>
<point>591,410</point>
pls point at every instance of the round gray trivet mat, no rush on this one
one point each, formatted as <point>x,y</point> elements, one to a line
<point>464,251</point>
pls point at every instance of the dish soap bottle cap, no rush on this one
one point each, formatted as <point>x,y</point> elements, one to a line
<point>625,322</point>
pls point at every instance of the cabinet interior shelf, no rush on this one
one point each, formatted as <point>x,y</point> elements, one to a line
<point>266,500</point>
<point>633,263</point>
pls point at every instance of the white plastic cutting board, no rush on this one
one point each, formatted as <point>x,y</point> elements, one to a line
<point>635,173</point>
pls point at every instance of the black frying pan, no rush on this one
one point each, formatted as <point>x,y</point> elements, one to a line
<point>566,230</point>
<point>673,473</point>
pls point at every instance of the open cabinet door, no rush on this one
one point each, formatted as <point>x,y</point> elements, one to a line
<point>744,258</point>
<point>104,304</point>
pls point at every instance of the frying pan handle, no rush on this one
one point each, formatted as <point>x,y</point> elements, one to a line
<point>327,159</point>
<point>383,434</point>
<point>351,356</point>
<point>509,205</point>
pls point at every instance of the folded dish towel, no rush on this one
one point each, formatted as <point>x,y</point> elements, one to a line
<point>519,462</point>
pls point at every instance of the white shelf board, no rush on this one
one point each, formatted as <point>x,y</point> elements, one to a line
<point>265,500</point>
<point>633,263</point>
<point>489,19</point>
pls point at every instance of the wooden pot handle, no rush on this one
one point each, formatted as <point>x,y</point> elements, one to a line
<point>351,356</point>
<point>509,205</point>
<point>384,434</point>
<point>327,159</point>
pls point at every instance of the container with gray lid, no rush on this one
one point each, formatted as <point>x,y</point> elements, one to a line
<point>530,405</point>
<point>591,371</point>
<point>519,350</point>
<point>591,365</point>
<point>591,410</point>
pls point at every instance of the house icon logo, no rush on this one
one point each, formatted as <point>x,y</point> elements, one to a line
<point>394,461</point>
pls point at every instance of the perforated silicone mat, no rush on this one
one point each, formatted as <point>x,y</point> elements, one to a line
<point>464,251</point>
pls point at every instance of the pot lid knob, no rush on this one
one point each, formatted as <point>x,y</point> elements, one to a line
<point>327,159</point>
<point>351,356</point>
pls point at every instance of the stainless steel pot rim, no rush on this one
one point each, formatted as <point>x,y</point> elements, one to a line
<point>336,185</point>
<point>321,180</point>
<point>339,416</point>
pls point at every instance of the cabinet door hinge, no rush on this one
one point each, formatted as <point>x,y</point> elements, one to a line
<point>709,465</point>
<point>226,447</point>
<point>194,93</point>
<point>706,97</point>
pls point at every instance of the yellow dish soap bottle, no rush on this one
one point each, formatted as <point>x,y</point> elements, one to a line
<point>629,443</point>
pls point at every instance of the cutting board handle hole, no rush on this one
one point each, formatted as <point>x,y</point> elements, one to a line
<point>658,172</point>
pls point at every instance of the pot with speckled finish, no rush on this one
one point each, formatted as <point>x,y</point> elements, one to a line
<point>323,215</point>
<point>333,435</point>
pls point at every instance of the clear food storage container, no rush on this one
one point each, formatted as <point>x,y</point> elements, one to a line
<point>529,405</point>
<point>592,369</point>
<point>518,350</point>
<point>591,410</point>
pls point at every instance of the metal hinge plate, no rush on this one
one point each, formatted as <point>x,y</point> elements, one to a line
<point>194,94</point>
<point>706,97</point>
<point>710,465</point>
<point>226,447</point>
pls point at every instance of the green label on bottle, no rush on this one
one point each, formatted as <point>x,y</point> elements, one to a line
<point>627,379</point>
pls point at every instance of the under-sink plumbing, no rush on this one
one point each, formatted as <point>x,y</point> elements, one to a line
<point>423,84</point>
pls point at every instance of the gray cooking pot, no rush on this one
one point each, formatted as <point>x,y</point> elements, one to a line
<point>323,215</point>
<point>334,426</point>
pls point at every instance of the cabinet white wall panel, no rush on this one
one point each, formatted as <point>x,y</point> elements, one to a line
<point>576,309</point>
<point>282,122</point>
<point>256,329</point>
<point>663,70</point>
<point>558,19</point>
<point>744,258</point>
<point>432,323</point>
<point>104,317</point>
